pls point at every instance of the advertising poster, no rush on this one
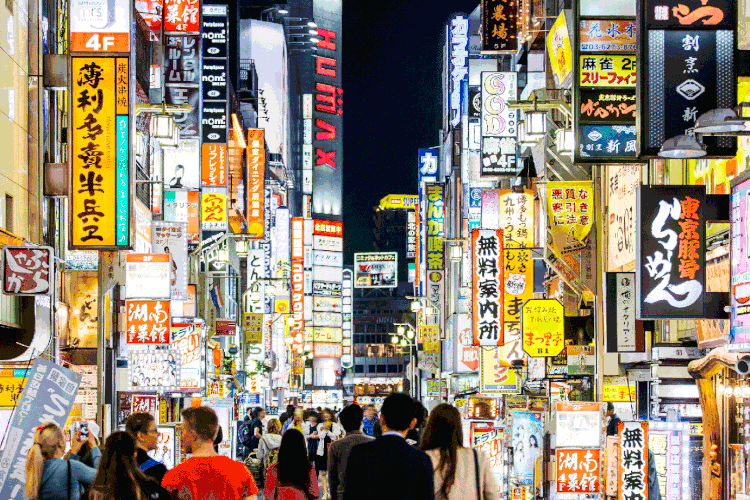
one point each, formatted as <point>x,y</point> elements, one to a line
<point>147,276</point>
<point>578,471</point>
<point>256,168</point>
<point>48,397</point>
<point>154,370</point>
<point>376,270</point>
<point>182,165</point>
<point>81,290</point>
<point>488,440</point>
<point>543,327</point>
<point>527,445</point>
<point>633,463</point>
<point>608,35</point>
<point>495,374</point>
<point>570,208</point>
<point>622,186</point>
<point>147,321</point>
<point>186,339</point>
<point>579,425</point>
<point>740,260</point>
<point>487,288</point>
<point>171,238</point>
<point>670,252</point>
<point>166,450</point>
<point>184,206</point>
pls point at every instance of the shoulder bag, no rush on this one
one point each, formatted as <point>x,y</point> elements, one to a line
<point>70,485</point>
<point>476,475</point>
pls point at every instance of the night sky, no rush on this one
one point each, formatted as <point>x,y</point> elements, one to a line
<point>392,101</point>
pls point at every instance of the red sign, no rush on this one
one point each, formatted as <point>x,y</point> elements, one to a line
<point>298,297</point>
<point>214,164</point>
<point>151,11</point>
<point>181,16</point>
<point>27,270</point>
<point>577,470</point>
<point>298,238</point>
<point>147,321</point>
<point>226,327</point>
<point>468,353</point>
<point>328,228</point>
<point>256,171</point>
<point>145,404</point>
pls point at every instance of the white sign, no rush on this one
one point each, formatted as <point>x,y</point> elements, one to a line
<point>625,303</point>
<point>376,270</point>
<point>328,243</point>
<point>147,276</point>
<point>327,304</point>
<point>326,319</point>
<point>182,165</point>
<point>323,258</point>
<point>99,25</point>
<point>327,288</point>
<point>172,238</point>
<point>256,268</point>
<point>622,185</point>
<point>497,118</point>
<point>324,273</point>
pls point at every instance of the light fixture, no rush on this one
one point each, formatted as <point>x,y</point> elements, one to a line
<point>430,311</point>
<point>719,121</point>
<point>401,330</point>
<point>730,391</point>
<point>312,24</point>
<point>283,12</point>
<point>255,296</point>
<point>271,289</point>
<point>720,389</point>
<point>290,320</point>
<point>404,343</point>
<point>410,334</point>
<point>313,32</point>
<point>139,144</point>
<point>394,340</point>
<point>222,255</point>
<point>162,126</point>
<point>457,253</point>
<point>415,306</point>
<point>524,140</point>
<point>314,39</point>
<point>682,147</point>
<point>564,142</point>
<point>746,391</point>
<point>536,124</point>
<point>241,246</point>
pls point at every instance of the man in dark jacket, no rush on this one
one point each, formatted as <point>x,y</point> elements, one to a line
<point>388,468</point>
<point>338,454</point>
<point>614,420</point>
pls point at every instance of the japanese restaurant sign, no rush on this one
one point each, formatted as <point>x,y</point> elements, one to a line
<point>430,335</point>
<point>607,106</point>
<point>147,276</point>
<point>488,289</point>
<point>608,35</point>
<point>633,460</point>
<point>256,182</point>
<point>499,25</point>
<point>689,14</point>
<point>181,15</point>
<point>147,321</point>
<point>543,327</point>
<point>214,209</point>
<point>622,332</point>
<point>145,403</point>
<point>570,206</point>
<point>28,270</point>
<point>607,141</point>
<point>670,252</point>
<point>622,184</point>
<point>607,71</point>
<point>100,145</point>
<point>499,123</point>
<point>740,260</point>
<point>578,470</point>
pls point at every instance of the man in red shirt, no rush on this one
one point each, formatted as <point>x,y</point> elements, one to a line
<point>207,475</point>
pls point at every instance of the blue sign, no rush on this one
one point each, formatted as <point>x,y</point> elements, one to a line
<point>607,141</point>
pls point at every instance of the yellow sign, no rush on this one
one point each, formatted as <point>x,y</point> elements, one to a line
<point>495,373</point>
<point>560,52</point>
<point>254,328</point>
<point>430,338</point>
<point>607,71</point>
<point>543,328</point>
<point>10,390</point>
<point>214,210</point>
<point>619,393</point>
<point>570,215</point>
<point>326,334</point>
<point>282,306</point>
<point>400,201</point>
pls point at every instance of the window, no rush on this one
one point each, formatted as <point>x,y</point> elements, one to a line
<point>8,213</point>
<point>381,368</point>
<point>359,369</point>
<point>382,329</point>
<point>371,368</point>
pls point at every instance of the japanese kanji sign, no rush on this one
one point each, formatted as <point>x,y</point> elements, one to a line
<point>633,463</point>
<point>256,182</point>
<point>495,374</point>
<point>577,470</point>
<point>181,59</point>
<point>607,106</point>
<point>435,227</point>
<point>188,121</point>
<point>145,403</point>
<point>147,321</point>
<point>622,184</point>
<point>623,334</point>
<point>186,338</point>
<point>689,14</point>
<point>570,209</point>
<point>182,16</point>
<point>28,270</point>
<point>488,289</point>
<point>100,164</point>
<point>607,71</point>
<point>214,164</point>
<point>607,141</point>
<point>183,206</point>
<point>560,51</point>
<point>430,335</point>
<point>670,252</point>
<point>499,25</point>
<point>543,327</point>
<point>608,35</point>
<point>253,328</point>
<point>214,209</point>
<point>499,123</point>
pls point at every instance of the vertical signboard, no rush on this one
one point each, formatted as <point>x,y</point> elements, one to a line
<point>570,209</point>
<point>214,114</point>
<point>670,252</point>
<point>328,121</point>
<point>740,259</point>
<point>99,25</point>
<point>578,471</point>
<point>459,66</point>
<point>499,123</point>
<point>543,327</point>
<point>624,332</point>
<point>435,257</point>
<point>100,164</point>
<point>214,209</point>
<point>622,184</point>
<point>499,25</point>
<point>487,292</point>
<point>256,182</point>
<point>633,460</point>
<point>171,238</point>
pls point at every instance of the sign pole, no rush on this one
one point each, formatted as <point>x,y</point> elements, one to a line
<point>105,275</point>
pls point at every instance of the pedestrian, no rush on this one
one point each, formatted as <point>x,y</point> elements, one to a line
<point>311,434</point>
<point>290,409</point>
<point>218,439</point>
<point>268,448</point>
<point>371,419</point>
<point>85,455</point>
<point>48,476</point>
<point>338,454</point>
<point>460,473</point>
<point>388,468</point>
<point>120,476</point>
<point>414,435</point>
<point>142,427</point>
<point>207,474</point>
<point>296,422</point>
<point>328,431</point>
<point>293,477</point>
<point>614,420</point>
<point>256,428</point>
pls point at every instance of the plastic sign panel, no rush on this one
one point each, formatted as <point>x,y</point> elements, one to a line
<point>689,14</point>
<point>482,408</point>
<point>214,209</point>
<point>487,289</point>
<point>430,335</point>
<point>622,185</point>
<point>459,65</point>
<point>186,338</point>
<point>543,327</point>
<point>670,252</point>
<point>256,168</point>
<point>28,270</point>
<point>499,26</point>
<point>376,270</point>
<point>147,276</point>
<point>740,260</point>
<point>100,164</point>
<point>147,321</point>
<point>607,106</point>
<point>171,237</point>
<point>608,35</point>
<point>579,424</point>
<point>328,228</point>
<point>495,373</point>
<point>607,71</point>
<point>154,370</point>
<point>400,202</point>
<point>578,471</point>
<point>633,463</point>
<point>559,50</point>
<point>327,350</point>
<point>99,25</point>
<point>607,141</point>
<point>570,208</point>
<point>621,312</point>
<point>499,123</point>
<point>181,16</point>
<point>184,206</point>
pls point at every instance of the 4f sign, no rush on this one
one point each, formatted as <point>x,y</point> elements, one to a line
<point>99,26</point>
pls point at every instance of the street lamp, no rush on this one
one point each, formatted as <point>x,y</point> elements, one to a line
<point>162,126</point>
<point>416,306</point>
<point>682,147</point>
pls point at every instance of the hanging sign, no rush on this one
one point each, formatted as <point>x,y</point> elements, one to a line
<point>154,370</point>
<point>670,252</point>
<point>570,206</point>
<point>214,209</point>
<point>186,338</point>
<point>495,373</point>
<point>499,123</point>
<point>28,270</point>
<point>623,332</point>
<point>488,289</point>
<point>607,71</point>
<point>256,168</point>
<point>633,460</point>
<point>689,14</point>
<point>253,328</point>
<point>559,50</point>
<point>543,327</point>
<point>147,321</point>
<point>622,184</point>
<point>577,470</point>
<point>430,335</point>
<point>499,26</point>
<point>607,106</point>
<point>147,276</point>
<point>459,65</point>
<point>607,141</point>
<point>99,25</point>
<point>608,35</point>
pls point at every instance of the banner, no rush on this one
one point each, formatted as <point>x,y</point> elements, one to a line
<point>495,373</point>
<point>171,238</point>
<point>622,185</point>
<point>48,397</point>
<point>633,463</point>
<point>487,289</point>
<point>577,470</point>
<point>543,327</point>
<point>147,321</point>
<point>256,182</point>
<point>570,215</point>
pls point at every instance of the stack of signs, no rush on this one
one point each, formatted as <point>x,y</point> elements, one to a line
<point>347,311</point>
<point>327,281</point>
<point>578,455</point>
<point>633,460</point>
<point>688,47</point>
<point>605,89</point>
<point>499,123</point>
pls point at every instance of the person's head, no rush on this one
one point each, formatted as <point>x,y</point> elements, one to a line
<point>274,426</point>
<point>294,465</point>
<point>351,417</point>
<point>397,413</point>
<point>119,475</point>
<point>143,428</point>
<point>420,413</point>
<point>312,418</point>
<point>290,409</point>
<point>218,439</point>
<point>298,415</point>
<point>327,415</point>
<point>610,409</point>
<point>199,426</point>
<point>444,433</point>
<point>49,443</point>
<point>533,442</point>
<point>370,412</point>
<point>259,412</point>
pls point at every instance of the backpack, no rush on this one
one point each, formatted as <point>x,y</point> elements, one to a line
<point>272,457</point>
<point>245,435</point>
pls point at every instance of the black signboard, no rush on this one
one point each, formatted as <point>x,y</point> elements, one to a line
<point>687,74</point>
<point>498,156</point>
<point>187,121</point>
<point>181,59</point>
<point>214,80</point>
<point>214,121</point>
<point>607,141</point>
<point>607,106</point>
<point>215,29</point>
<point>214,117</point>
<point>499,25</point>
<point>475,102</point>
<point>670,252</point>
<point>690,14</point>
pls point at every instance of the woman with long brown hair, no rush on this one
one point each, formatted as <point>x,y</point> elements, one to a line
<point>293,476</point>
<point>460,473</point>
<point>119,477</point>
<point>48,476</point>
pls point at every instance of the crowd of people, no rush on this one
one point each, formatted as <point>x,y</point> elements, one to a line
<point>303,455</point>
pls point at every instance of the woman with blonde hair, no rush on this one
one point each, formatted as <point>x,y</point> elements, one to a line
<point>48,476</point>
